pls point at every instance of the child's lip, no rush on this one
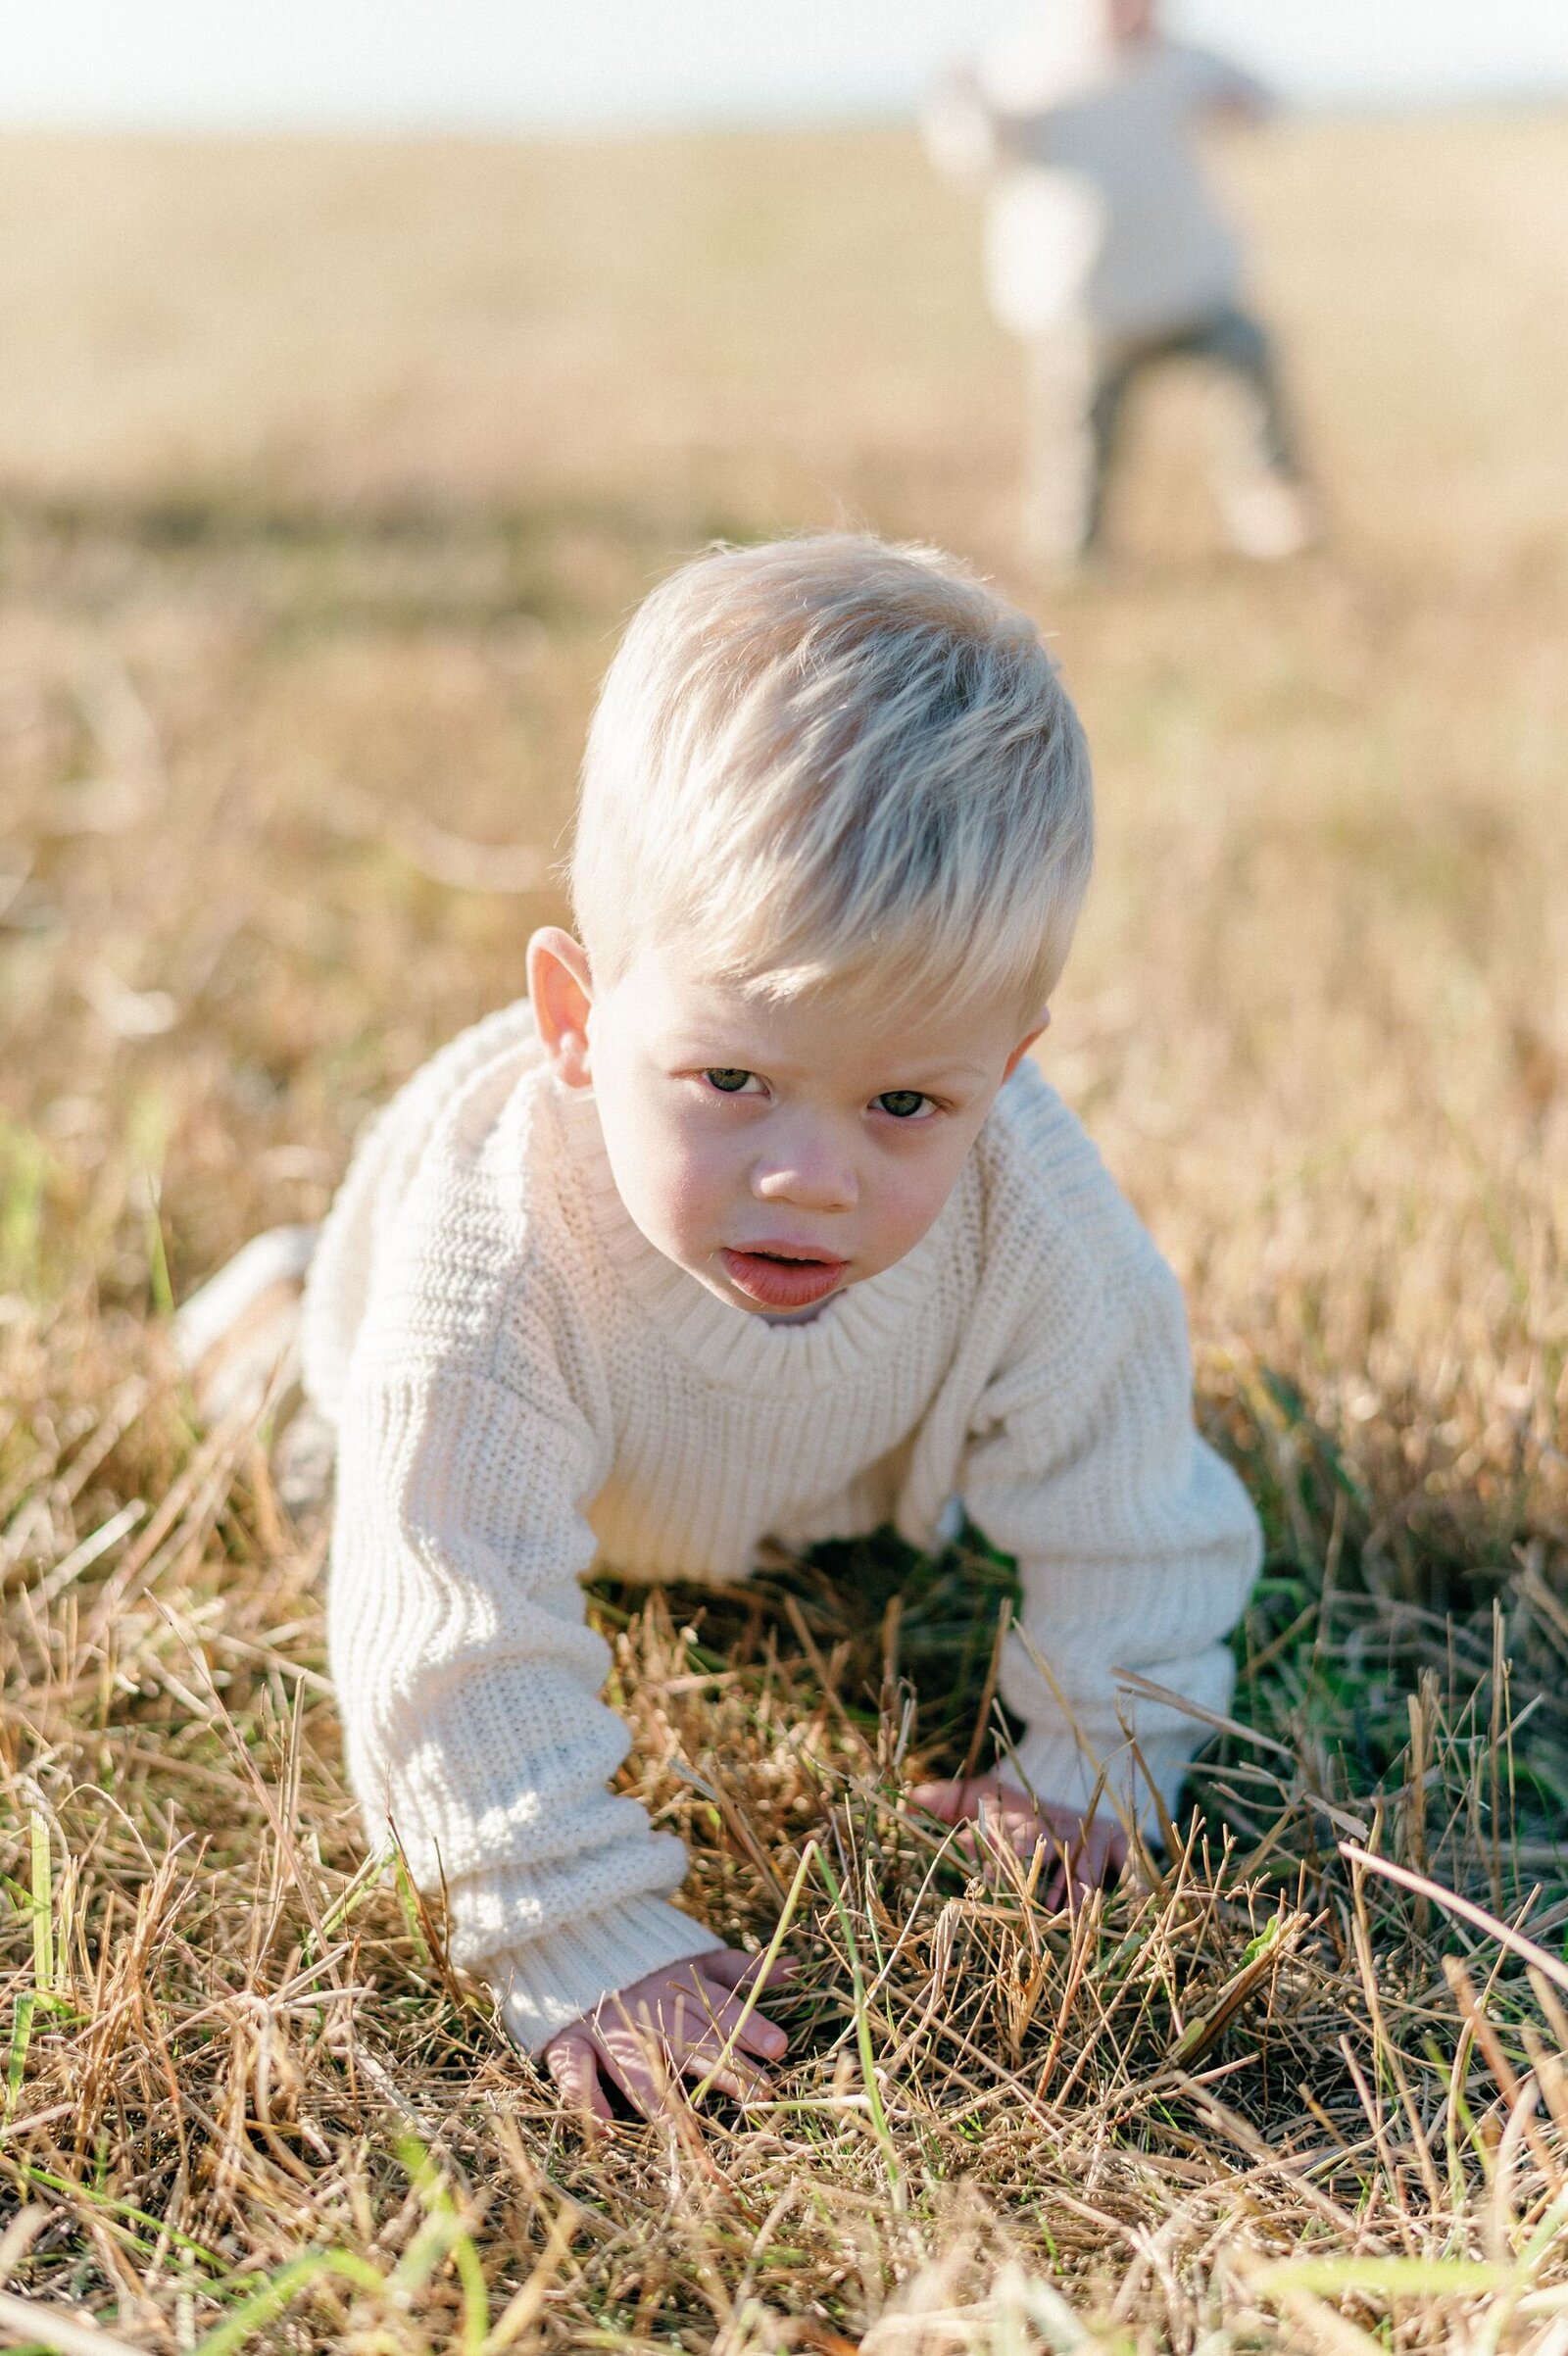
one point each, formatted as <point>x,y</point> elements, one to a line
<point>783,1276</point>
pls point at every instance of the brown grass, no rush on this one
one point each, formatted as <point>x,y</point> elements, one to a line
<point>331,472</point>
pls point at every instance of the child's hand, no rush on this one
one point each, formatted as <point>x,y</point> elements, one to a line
<point>1086,1854</point>
<point>673,2024</point>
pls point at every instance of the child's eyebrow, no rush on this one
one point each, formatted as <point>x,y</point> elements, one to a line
<point>691,1050</point>
<point>938,1072</point>
<point>905,1072</point>
<point>720,1053</point>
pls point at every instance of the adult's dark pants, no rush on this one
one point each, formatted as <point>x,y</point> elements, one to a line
<point>1229,339</point>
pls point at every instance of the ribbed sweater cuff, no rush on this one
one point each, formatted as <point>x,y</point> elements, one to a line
<point>554,1980</point>
<point>1057,1769</point>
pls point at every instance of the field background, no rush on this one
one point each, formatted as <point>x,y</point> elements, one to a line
<point>327,474</point>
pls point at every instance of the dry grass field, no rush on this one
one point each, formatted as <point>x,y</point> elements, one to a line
<point>326,474</point>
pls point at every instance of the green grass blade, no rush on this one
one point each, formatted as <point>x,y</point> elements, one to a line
<point>862,2034</point>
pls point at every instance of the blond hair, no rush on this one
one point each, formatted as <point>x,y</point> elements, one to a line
<point>832,761</point>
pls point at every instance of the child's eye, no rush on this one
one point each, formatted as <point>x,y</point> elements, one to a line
<point>904,1104</point>
<point>731,1083</point>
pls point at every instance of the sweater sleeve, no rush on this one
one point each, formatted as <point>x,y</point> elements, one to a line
<point>1136,1545</point>
<point>469,1682</point>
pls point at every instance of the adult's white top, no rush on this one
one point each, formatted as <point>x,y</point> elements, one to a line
<point>522,1385</point>
<point>1107,169</point>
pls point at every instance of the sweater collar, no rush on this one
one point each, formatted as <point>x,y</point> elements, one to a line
<point>728,1347</point>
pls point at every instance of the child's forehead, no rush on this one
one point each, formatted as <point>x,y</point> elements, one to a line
<point>668,997</point>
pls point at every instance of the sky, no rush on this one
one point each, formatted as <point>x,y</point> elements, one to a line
<point>504,65</point>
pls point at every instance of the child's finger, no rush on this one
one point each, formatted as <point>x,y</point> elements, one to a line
<point>755,2086</point>
<point>734,1969</point>
<point>759,2035</point>
<point>645,2086</point>
<point>1001,1824</point>
<point>737,2079</point>
<point>706,2045</point>
<point>644,2065</point>
<point>971,1796</point>
<point>1116,1848</point>
<point>642,2053</point>
<point>574,2066</point>
<point>950,1803</point>
<point>1095,1857</point>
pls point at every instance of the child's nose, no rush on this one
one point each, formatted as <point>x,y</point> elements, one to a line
<point>808,1176</point>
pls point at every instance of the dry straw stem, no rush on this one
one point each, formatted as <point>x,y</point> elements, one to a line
<point>331,470</point>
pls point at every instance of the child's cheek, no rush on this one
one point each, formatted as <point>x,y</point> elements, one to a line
<point>696,1184</point>
<point>914,1191</point>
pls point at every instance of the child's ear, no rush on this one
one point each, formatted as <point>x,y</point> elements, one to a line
<point>560,987</point>
<point>1027,1042</point>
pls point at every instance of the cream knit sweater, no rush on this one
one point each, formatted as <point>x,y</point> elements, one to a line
<point>522,1384</point>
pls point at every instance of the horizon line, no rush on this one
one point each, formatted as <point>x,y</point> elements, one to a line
<point>482,125</point>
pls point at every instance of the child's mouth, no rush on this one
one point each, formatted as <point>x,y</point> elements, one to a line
<point>782,1278</point>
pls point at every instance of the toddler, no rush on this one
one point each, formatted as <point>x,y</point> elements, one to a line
<point>757,1222</point>
<point>1106,253</point>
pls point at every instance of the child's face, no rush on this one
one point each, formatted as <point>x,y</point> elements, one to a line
<point>778,1152</point>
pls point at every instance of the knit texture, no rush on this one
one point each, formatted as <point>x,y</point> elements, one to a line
<point>523,1384</point>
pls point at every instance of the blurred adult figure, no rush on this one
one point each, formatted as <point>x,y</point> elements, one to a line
<point>1107,253</point>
